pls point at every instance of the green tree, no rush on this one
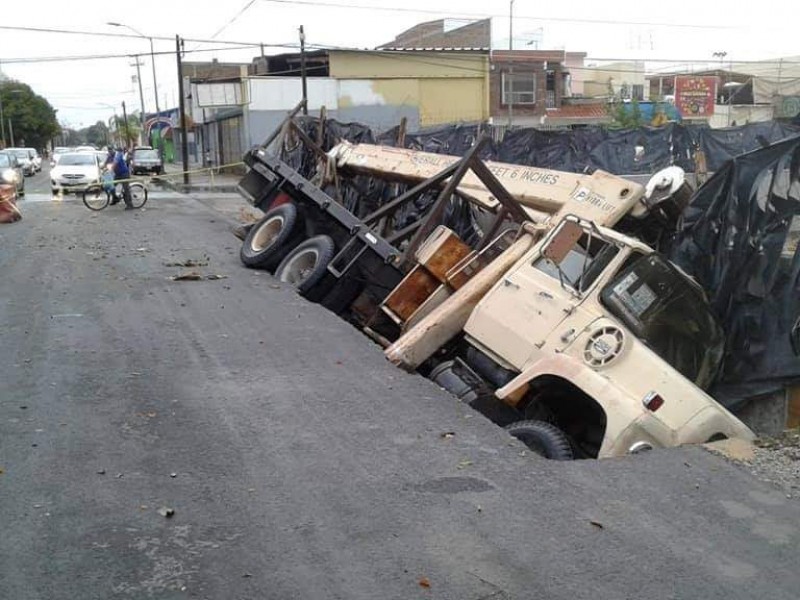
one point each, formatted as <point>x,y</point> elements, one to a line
<point>30,116</point>
<point>97,135</point>
<point>70,137</point>
<point>130,135</point>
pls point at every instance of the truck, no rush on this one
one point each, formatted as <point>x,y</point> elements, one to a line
<point>579,339</point>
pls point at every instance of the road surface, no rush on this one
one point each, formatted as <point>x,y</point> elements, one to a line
<point>297,461</point>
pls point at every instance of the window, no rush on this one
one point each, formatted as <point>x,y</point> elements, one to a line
<point>519,88</point>
<point>665,310</point>
<point>637,92</point>
<point>582,264</point>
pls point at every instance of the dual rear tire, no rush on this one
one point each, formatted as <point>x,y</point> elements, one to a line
<point>274,244</point>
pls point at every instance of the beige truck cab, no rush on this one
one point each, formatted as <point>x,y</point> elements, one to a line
<point>590,345</point>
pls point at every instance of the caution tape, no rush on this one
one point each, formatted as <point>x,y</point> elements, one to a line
<point>209,170</point>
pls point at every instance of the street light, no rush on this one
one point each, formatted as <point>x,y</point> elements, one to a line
<point>152,59</point>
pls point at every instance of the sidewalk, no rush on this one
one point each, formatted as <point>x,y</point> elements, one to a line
<point>200,180</point>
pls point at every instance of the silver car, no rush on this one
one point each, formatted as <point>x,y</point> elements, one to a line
<point>11,171</point>
<point>25,160</point>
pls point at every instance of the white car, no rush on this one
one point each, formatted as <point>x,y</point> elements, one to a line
<point>37,160</point>
<point>25,160</point>
<point>74,171</point>
<point>58,151</point>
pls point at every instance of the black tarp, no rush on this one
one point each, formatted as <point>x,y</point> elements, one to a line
<point>619,151</point>
<point>739,241</point>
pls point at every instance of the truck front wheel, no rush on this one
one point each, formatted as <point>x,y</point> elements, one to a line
<point>266,243</point>
<point>543,438</point>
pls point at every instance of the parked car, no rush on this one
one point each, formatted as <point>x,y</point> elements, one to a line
<point>37,160</point>
<point>145,161</point>
<point>74,170</point>
<point>57,151</point>
<point>11,171</point>
<point>25,160</point>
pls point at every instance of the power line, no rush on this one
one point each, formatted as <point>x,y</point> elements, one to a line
<point>132,36</point>
<point>48,59</point>
<point>233,19</point>
<point>429,11</point>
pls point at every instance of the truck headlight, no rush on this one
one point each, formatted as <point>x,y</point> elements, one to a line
<point>9,176</point>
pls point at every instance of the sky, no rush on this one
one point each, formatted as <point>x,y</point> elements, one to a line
<point>87,77</point>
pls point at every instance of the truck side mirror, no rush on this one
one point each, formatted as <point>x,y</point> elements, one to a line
<point>794,337</point>
<point>563,241</point>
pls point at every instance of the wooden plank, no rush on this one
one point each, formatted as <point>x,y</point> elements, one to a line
<point>447,320</point>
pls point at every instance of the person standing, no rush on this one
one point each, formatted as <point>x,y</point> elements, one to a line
<point>122,173</point>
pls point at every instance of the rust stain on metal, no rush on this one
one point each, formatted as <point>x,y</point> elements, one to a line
<point>406,298</point>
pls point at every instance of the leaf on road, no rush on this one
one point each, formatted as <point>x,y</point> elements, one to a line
<point>425,582</point>
<point>1,471</point>
<point>464,464</point>
<point>190,276</point>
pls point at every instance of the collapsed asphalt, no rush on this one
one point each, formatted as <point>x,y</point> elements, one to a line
<point>297,461</point>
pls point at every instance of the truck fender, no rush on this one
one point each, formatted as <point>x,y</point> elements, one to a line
<point>592,383</point>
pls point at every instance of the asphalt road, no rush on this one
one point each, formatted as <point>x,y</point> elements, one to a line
<point>298,462</point>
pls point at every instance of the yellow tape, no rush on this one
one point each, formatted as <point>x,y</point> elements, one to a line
<point>177,173</point>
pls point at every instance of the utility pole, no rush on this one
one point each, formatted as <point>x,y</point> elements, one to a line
<point>125,120</point>
<point>510,64</point>
<point>182,110</point>
<point>11,131</point>
<point>141,99</point>
<point>2,119</point>
<point>303,69</point>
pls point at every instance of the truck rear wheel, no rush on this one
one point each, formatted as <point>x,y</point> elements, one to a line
<point>543,438</point>
<point>306,265</point>
<point>265,244</point>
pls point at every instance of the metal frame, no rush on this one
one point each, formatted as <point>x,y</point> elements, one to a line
<point>367,230</point>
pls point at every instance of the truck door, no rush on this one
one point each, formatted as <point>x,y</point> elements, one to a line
<point>518,316</point>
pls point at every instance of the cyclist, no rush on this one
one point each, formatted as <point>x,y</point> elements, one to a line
<point>123,173</point>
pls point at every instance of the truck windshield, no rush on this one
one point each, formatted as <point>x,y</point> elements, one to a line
<point>670,315</point>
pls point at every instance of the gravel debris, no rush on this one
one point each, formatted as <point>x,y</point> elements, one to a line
<point>777,461</point>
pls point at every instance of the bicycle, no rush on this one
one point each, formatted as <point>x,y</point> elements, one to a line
<point>96,196</point>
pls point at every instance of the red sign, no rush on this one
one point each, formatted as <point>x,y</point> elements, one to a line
<point>695,96</point>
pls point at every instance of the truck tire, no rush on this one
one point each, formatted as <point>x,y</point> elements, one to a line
<point>264,245</point>
<point>543,438</point>
<point>306,265</point>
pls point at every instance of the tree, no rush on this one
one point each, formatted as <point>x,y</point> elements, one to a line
<point>129,136</point>
<point>97,135</point>
<point>627,115</point>
<point>30,116</point>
